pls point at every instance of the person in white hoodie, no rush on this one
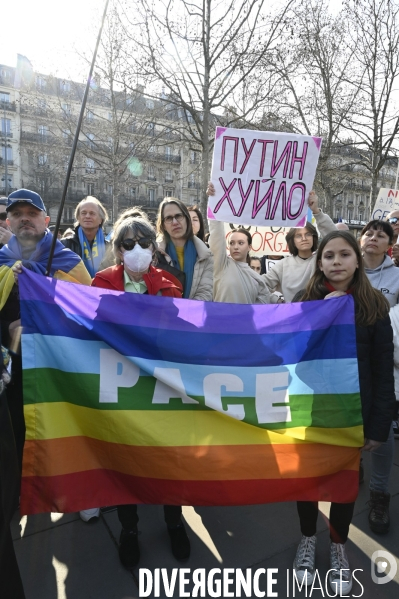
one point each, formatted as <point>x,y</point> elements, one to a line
<point>292,274</point>
<point>375,240</point>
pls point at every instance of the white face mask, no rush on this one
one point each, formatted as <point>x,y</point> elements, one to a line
<point>138,259</point>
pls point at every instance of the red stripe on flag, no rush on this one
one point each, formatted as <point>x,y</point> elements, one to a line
<point>83,490</point>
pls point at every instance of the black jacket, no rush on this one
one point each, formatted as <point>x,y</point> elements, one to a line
<point>377,387</point>
<point>73,243</point>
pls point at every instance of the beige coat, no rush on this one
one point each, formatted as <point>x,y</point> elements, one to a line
<point>202,287</point>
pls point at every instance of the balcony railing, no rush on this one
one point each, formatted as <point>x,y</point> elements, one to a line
<point>43,138</point>
<point>193,185</point>
<point>10,106</point>
<point>8,162</point>
<point>6,134</point>
<point>9,190</point>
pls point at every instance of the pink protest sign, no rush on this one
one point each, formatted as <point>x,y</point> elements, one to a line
<point>262,178</point>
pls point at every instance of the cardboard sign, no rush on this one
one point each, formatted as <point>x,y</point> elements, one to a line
<point>268,241</point>
<point>387,201</point>
<point>262,178</point>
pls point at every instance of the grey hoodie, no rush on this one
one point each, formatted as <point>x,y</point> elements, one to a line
<point>385,278</point>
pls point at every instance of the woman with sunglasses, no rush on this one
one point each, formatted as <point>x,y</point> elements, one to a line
<point>183,251</point>
<point>134,245</point>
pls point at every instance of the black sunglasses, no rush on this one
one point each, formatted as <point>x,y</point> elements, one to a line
<point>393,220</point>
<point>128,244</point>
<point>3,215</point>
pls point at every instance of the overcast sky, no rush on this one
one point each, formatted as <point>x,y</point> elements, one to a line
<point>49,32</point>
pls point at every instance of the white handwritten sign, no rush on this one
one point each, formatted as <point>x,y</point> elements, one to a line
<point>262,178</point>
<point>387,201</point>
<point>265,240</point>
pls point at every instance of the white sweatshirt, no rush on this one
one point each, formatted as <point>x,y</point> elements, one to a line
<point>292,274</point>
<point>233,282</point>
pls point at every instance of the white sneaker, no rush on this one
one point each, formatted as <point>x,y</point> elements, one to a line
<point>90,515</point>
<point>340,576</point>
<point>304,562</point>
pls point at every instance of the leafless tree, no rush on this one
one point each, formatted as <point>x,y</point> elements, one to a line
<point>374,40</point>
<point>207,55</point>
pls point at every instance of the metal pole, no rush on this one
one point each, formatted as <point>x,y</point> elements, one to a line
<point>74,145</point>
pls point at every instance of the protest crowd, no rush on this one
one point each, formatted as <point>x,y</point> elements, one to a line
<point>172,259</point>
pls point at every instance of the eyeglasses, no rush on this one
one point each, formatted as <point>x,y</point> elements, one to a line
<point>393,220</point>
<point>128,244</point>
<point>178,217</point>
<point>3,215</point>
<point>300,236</point>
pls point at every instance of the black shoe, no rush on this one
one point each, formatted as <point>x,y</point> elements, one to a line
<point>361,472</point>
<point>379,512</point>
<point>180,542</point>
<point>129,550</point>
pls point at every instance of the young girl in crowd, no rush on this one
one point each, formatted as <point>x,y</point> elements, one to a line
<point>376,239</point>
<point>340,271</point>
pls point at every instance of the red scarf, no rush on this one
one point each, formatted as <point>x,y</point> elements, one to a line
<point>331,288</point>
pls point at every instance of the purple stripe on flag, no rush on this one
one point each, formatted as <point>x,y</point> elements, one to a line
<point>182,314</point>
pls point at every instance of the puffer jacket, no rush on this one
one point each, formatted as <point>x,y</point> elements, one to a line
<point>202,286</point>
<point>375,363</point>
<point>158,281</point>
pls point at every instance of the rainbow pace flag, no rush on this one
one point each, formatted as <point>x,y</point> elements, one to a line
<point>140,399</point>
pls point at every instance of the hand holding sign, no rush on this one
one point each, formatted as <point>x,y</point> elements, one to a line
<point>262,178</point>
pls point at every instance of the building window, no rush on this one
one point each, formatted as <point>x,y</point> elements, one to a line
<point>169,193</point>
<point>360,215</point>
<point>41,106</point>
<point>4,98</point>
<point>168,151</point>
<point>42,159</point>
<point>90,166</point>
<point>132,192</point>
<point>110,189</point>
<point>66,109</point>
<point>168,175</point>
<point>42,130</point>
<point>149,104</point>
<point>66,133</point>
<point>349,214</point>
<point>6,184</point>
<point>151,196</point>
<point>6,154</point>
<point>151,129</point>
<point>151,173</point>
<point>6,126</point>
<point>65,87</point>
<point>110,116</point>
<point>90,116</point>
<point>193,157</point>
<point>90,140</point>
<point>41,82</point>
<point>90,189</point>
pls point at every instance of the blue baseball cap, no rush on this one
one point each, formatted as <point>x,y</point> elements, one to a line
<point>25,196</point>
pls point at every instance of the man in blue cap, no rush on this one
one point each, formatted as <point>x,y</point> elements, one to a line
<point>29,247</point>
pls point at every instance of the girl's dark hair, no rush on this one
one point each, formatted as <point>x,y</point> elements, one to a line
<point>247,235</point>
<point>201,232</point>
<point>379,225</point>
<point>183,209</point>
<point>371,305</point>
<point>291,234</point>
